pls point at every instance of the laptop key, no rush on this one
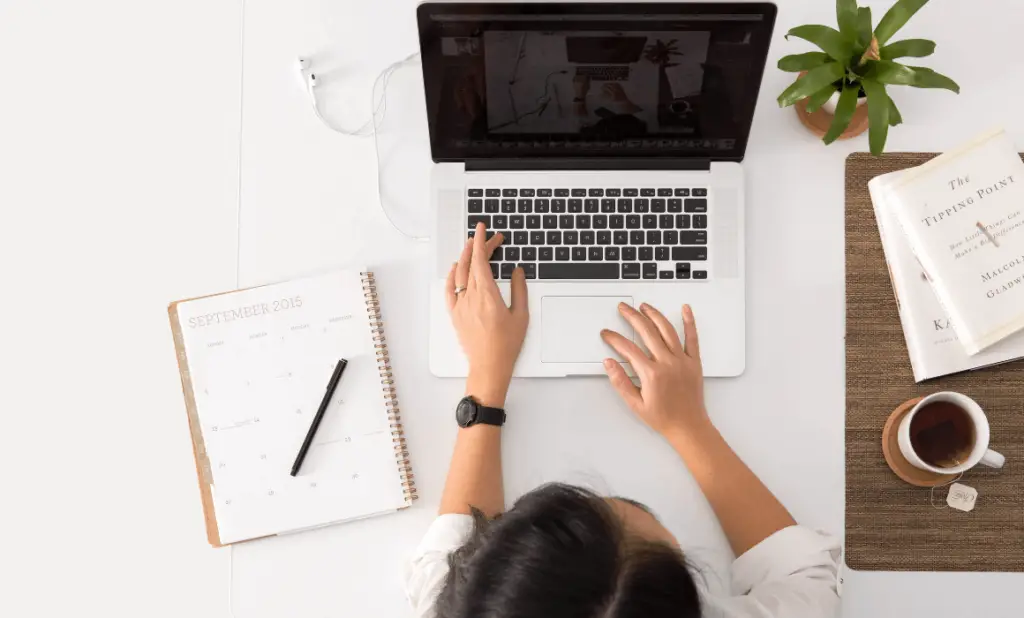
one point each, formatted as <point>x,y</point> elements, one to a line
<point>658,205</point>
<point>472,220</point>
<point>476,193</point>
<point>530,253</point>
<point>630,192</point>
<point>525,206</point>
<point>604,237</point>
<point>700,222</point>
<point>600,222</point>
<point>693,238</point>
<point>650,222</point>
<point>661,254</point>
<point>517,222</point>
<point>521,238</point>
<point>647,192</point>
<point>666,274</point>
<point>666,222</point>
<point>682,222</point>
<point>675,205</point>
<point>533,222</point>
<point>629,254</point>
<point>689,254</point>
<point>491,206</point>
<point>529,269</point>
<point>527,192</point>
<point>541,205</point>
<point>579,193</point>
<point>509,193</point>
<point>682,193</point>
<point>476,206</point>
<point>664,192</point>
<point>604,270</point>
<point>554,238</point>
<point>566,222</point>
<point>670,237</point>
<point>587,237</point>
<point>562,254</point>
<point>561,193</point>
<point>641,205</point>
<point>497,255</point>
<point>611,254</point>
<point>616,222</point>
<point>591,205</point>
<point>508,205</point>
<point>700,193</point>
<point>613,192</point>
<point>537,238</point>
<point>492,192</point>
<point>583,222</point>
<point>620,237</point>
<point>633,222</point>
<point>636,238</point>
<point>700,274</point>
<point>504,233</point>
<point>654,237</point>
<point>494,270</point>
<point>576,205</point>
<point>543,192</point>
<point>512,254</point>
<point>607,205</point>
<point>499,221</point>
<point>570,237</point>
<point>695,205</point>
<point>650,270</point>
<point>506,270</point>
<point>631,270</point>
<point>595,254</point>
<point>550,222</point>
<point>579,254</point>
<point>625,205</point>
<point>546,254</point>
<point>646,254</point>
<point>558,206</point>
<point>596,192</point>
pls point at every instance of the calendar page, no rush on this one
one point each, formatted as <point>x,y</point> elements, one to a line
<point>260,361</point>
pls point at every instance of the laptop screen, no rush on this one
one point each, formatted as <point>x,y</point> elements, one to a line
<point>592,80</point>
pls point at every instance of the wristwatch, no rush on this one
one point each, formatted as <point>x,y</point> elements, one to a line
<point>469,413</point>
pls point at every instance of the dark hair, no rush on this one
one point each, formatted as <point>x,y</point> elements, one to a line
<point>561,552</point>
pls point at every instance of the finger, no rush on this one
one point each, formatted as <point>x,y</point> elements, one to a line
<point>478,259</point>
<point>665,328</point>
<point>626,349</point>
<point>691,343</point>
<point>623,385</point>
<point>520,300</point>
<point>462,267</point>
<point>493,244</point>
<point>648,332</point>
<point>449,287</point>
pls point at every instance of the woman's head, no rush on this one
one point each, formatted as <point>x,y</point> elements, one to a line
<point>565,552</point>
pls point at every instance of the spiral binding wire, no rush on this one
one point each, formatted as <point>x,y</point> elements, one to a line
<point>387,382</point>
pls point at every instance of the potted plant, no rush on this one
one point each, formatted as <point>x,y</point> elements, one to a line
<point>854,67</point>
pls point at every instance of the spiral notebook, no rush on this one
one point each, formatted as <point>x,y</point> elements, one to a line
<point>254,366</point>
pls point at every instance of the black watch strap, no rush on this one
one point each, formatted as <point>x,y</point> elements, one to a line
<point>490,416</point>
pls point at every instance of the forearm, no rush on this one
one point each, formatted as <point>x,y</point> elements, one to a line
<point>746,509</point>
<point>474,476</point>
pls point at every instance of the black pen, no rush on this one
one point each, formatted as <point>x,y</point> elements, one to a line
<point>331,387</point>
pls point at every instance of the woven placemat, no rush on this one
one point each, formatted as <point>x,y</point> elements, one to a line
<point>890,525</point>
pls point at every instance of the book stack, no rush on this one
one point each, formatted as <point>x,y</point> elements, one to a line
<point>953,235</point>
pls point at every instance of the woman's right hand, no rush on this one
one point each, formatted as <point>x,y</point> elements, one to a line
<point>670,398</point>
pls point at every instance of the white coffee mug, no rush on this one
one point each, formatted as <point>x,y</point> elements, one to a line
<point>980,452</point>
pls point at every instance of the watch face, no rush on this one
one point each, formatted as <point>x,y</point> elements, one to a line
<point>465,414</point>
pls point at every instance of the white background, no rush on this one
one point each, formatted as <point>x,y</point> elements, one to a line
<point>120,125</point>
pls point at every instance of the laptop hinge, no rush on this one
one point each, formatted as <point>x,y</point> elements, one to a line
<point>587,164</point>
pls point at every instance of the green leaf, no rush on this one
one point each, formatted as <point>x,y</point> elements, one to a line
<point>896,17</point>
<point>863,28</point>
<point>816,100</point>
<point>802,62</point>
<point>844,113</point>
<point>878,115</point>
<point>828,39</point>
<point>846,15</point>
<point>815,80</point>
<point>888,72</point>
<point>894,114</point>
<point>913,48</point>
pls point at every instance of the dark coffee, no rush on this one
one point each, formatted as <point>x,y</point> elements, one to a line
<point>942,434</point>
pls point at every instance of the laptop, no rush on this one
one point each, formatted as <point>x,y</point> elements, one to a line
<point>627,189</point>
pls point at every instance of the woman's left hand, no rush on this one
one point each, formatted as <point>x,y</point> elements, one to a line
<point>490,332</point>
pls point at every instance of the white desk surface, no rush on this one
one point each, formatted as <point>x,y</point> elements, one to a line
<point>124,127</point>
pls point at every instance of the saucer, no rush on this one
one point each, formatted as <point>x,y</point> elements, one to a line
<point>894,457</point>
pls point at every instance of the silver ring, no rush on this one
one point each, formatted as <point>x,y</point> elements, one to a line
<point>459,289</point>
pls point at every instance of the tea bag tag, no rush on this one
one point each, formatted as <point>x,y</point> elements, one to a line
<point>961,497</point>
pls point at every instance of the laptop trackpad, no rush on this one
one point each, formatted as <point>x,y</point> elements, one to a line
<point>572,326</point>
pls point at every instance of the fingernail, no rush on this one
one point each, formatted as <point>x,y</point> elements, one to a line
<point>623,306</point>
<point>688,311</point>
<point>644,307</point>
<point>608,363</point>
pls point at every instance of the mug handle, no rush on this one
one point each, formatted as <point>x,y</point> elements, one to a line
<point>992,459</point>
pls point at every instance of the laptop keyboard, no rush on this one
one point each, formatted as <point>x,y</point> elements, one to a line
<point>613,233</point>
<point>604,73</point>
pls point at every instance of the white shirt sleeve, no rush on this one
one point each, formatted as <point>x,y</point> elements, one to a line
<point>791,574</point>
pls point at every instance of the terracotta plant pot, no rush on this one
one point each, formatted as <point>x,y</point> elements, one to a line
<point>820,121</point>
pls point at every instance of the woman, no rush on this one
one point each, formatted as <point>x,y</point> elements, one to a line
<point>565,552</point>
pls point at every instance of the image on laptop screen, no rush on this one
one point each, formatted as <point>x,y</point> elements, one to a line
<point>564,84</point>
